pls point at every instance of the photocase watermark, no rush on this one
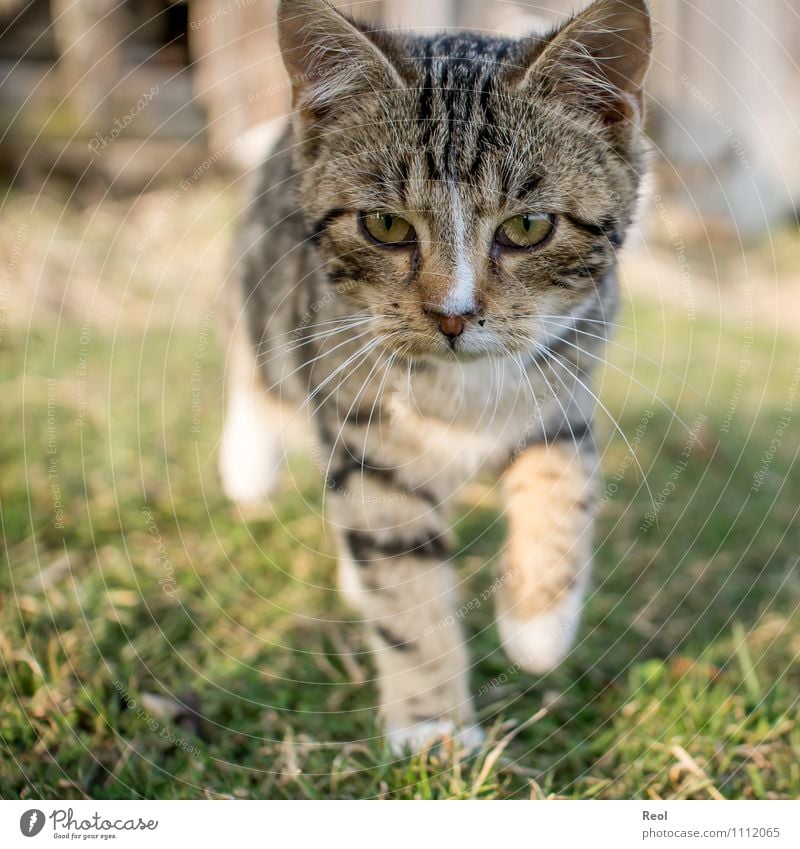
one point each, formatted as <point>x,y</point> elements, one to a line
<point>32,822</point>
<point>154,724</point>
<point>612,485</point>
<point>744,362</point>
<point>8,273</point>
<point>195,381</point>
<point>168,582</point>
<point>53,470</point>
<point>473,604</point>
<point>100,141</point>
<point>80,371</point>
<point>678,470</point>
<point>219,13</point>
<point>719,121</point>
<point>64,824</point>
<point>679,247</point>
<point>780,431</point>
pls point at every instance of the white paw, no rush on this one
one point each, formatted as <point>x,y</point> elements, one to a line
<point>415,738</point>
<point>251,454</point>
<point>540,644</point>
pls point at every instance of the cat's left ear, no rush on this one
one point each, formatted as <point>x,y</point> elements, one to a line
<point>598,60</point>
<point>330,58</point>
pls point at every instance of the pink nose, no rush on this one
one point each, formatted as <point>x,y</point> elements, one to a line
<point>451,325</point>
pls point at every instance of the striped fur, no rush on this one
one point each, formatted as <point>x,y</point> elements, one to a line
<point>455,133</point>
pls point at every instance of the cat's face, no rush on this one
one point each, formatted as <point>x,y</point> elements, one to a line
<point>471,193</point>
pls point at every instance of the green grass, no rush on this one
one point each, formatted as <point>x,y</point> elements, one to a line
<point>684,683</point>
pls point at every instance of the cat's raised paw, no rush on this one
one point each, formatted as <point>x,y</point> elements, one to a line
<point>414,738</point>
<point>540,643</point>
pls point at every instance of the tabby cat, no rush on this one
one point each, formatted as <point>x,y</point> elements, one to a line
<point>426,274</point>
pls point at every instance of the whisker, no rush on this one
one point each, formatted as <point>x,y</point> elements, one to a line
<point>635,352</point>
<point>372,412</point>
<point>300,332</point>
<point>358,394</point>
<point>553,357</point>
<point>521,366</point>
<point>288,347</point>
<point>630,377</point>
<point>558,401</point>
<point>605,323</point>
<point>362,353</point>
<point>324,354</point>
<point>302,327</point>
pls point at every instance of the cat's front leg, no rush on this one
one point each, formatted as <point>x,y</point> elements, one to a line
<point>549,501</point>
<point>393,568</point>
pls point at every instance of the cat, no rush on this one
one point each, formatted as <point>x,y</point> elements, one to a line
<point>426,274</point>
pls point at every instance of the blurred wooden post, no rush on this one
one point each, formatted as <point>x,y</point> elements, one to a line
<point>725,92</point>
<point>238,73</point>
<point>420,14</point>
<point>239,76</point>
<point>89,36</point>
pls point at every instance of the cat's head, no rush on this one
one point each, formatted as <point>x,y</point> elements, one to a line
<point>471,192</point>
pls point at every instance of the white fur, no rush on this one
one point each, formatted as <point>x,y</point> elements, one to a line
<point>349,582</point>
<point>252,448</point>
<point>540,644</point>
<point>256,144</point>
<point>461,297</point>
<point>414,738</point>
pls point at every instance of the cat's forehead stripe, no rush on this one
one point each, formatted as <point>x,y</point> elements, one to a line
<point>454,104</point>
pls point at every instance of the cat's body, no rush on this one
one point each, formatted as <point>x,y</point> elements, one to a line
<point>460,347</point>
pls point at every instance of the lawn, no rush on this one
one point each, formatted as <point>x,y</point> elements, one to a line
<point>157,643</point>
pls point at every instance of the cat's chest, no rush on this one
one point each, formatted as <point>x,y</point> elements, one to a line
<point>467,414</point>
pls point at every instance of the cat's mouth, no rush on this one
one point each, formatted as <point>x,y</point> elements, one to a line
<point>471,337</point>
<point>435,335</point>
<point>460,334</point>
<point>448,345</point>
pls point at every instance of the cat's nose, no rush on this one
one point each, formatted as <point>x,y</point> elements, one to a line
<point>451,325</point>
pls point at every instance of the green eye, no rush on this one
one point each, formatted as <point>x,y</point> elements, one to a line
<point>387,228</point>
<point>525,231</point>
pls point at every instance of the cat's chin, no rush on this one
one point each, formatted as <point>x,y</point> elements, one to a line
<point>446,355</point>
<point>461,356</point>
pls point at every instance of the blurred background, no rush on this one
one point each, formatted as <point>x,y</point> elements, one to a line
<point>155,641</point>
<point>723,89</point>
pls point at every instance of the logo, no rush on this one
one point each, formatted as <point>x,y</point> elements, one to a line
<point>31,822</point>
<point>65,825</point>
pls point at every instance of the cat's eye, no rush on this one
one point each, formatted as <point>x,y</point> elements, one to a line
<point>388,229</point>
<point>528,230</point>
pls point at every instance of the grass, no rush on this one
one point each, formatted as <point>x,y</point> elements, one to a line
<point>162,645</point>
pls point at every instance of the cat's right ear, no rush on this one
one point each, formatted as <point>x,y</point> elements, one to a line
<point>330,58</point>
